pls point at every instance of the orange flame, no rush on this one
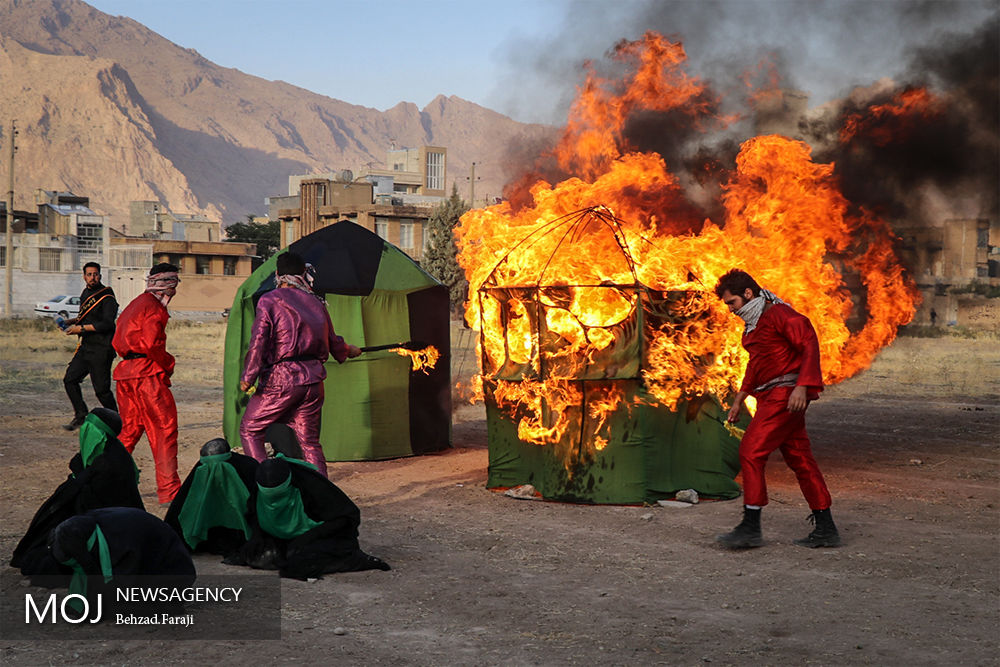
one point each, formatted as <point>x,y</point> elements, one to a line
<point>884,123</point>
<point>421,360</point>
<point>592,280</point>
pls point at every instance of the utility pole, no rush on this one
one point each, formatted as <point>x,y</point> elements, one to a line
<point>472,186</point>
<point>8,310</point>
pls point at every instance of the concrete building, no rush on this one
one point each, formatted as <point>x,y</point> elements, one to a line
<point>947,262</point>
<point>210,271</point>
<point>394,202</point>
<point>50,247</point>
<point>151,219</point>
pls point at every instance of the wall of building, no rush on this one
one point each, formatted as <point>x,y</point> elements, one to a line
<point>31,287</point>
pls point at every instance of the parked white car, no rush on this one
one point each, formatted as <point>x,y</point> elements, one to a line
<point>62,306</point>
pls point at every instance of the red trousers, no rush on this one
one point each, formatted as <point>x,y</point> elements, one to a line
<point>774,427</point>
<point>299,406</point>
<point>148,406</point>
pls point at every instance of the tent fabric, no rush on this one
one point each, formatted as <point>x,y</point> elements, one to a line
<point>652,453</point>
<point>375,407</point>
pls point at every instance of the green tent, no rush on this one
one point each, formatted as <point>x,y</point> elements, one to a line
<point>644,451</point>
<point>376,407</point>
<point>651,454</point>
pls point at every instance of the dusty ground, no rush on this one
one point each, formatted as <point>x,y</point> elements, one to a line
<point>910,451</point>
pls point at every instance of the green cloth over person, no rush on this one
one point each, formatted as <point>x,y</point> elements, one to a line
<point>280,511</point>
<point>217,497</point>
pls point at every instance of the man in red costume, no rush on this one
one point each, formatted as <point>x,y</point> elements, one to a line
<point>784,376</point>
<point>142,377</point>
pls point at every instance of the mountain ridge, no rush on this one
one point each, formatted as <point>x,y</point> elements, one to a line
<point>149,118</point>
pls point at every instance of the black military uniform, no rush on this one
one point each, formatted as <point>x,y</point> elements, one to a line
<point>94,355</point>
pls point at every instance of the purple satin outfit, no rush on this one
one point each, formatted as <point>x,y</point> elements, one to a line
<point>291,339</point>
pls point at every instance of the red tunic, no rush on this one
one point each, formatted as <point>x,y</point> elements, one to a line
<point>142,330</point>
<point>783,342</point>
<point>142,385</point>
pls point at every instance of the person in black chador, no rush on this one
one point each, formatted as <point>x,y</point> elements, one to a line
<point>114,545</point>
<point>213,510</point>
<point>95,325</point>
<point>102,475</point>
<point>306,526</point>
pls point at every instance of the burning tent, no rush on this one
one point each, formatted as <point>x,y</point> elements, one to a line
<point>377,406</point>
<point>603,353</point>
<point>568,406</point>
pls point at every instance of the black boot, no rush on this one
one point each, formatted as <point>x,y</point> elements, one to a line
<point>76,423</point>
<point>824,534</point>
<point>745,535</point>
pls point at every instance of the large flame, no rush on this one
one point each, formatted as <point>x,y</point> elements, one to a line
<point>557,285</point>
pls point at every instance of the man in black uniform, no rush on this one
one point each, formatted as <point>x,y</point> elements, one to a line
<point>95,325</point>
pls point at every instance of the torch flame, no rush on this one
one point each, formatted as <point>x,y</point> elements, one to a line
<point>421,360</point>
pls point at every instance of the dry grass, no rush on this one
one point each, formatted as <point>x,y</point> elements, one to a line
<point>35,352</point>
<point>199,349</point>
<point>932,367</point>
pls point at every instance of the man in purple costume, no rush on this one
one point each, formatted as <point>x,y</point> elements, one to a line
<point>291,339</point>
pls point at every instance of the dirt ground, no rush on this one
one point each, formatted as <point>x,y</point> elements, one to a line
<point>910,455</point>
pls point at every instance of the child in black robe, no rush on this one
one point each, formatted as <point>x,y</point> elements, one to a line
<point>306,526</point>
<point>120,546</point>
<point>103,474</point>
<point>214,509</point>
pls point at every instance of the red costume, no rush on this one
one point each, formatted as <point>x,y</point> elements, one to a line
<point>142,381</point>
<point>782,344</point>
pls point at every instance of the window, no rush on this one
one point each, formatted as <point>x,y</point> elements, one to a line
<point>229,266</point>
<point>435,171</point>
<point>3,255</point>
<point>203,264</point>
<point>89,237</point>
<point>382,229</point>
<point>406,235</point>
<point>49,259</point>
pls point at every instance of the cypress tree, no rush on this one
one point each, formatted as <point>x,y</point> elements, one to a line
<point>441,254</point>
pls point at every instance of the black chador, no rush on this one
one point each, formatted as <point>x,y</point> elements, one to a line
<point>306,526</point>
<point>214,509</point>
<point>103,474</point>
<point>120,546</point>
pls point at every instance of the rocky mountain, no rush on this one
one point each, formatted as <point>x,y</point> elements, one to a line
<point>109,109</point>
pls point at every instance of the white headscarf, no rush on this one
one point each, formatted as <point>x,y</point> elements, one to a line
<point>754,308</point>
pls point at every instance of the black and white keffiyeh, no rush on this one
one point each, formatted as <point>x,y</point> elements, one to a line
<point>754,308</point>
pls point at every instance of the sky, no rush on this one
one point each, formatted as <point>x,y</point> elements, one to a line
<point>524,58</point>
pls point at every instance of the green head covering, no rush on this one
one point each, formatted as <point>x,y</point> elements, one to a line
<point>217,497</point>
<point>78,583</point>
<point>280,510</point>
<point>94,434</point>
<point>298,462</point>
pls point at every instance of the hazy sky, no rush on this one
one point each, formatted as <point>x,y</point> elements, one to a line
<point>522,57</point>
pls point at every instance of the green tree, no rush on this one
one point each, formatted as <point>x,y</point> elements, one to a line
<point>441,256</point>
<point>267,236</point>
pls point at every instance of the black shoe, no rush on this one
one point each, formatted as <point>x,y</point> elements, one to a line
<point>747,535</point>
<point>75,424</point>
<point>824,534</point>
